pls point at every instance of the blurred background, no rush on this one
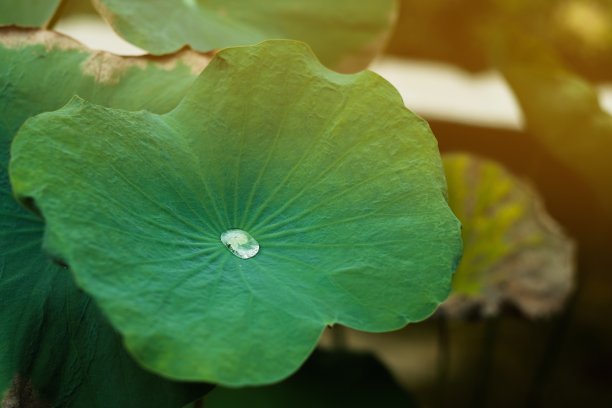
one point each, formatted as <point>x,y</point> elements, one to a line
<point>526,87</point>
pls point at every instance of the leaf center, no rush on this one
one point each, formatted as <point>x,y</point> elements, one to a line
<point>240,243</point>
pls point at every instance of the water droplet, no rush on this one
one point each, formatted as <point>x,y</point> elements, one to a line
<point>240,243</point>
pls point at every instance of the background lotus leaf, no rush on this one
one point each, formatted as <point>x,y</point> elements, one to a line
<point>461,33</point>
<point>549,52</point>
<point>514,252</point>
<point>27,13</point>
<point>344,34</point>
<point>56,347</point>
<point>339,183</point>
<point>564,112</point>
<point>41,70</point>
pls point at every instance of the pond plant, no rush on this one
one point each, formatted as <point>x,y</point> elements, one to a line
<point>198,217</point>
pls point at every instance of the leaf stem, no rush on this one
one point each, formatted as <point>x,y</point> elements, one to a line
<point>551,355</point>
<point>59,11</point>
<point>443,358</point>
<point>485,365</point>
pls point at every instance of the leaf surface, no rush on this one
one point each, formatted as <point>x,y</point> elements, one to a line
<point>339,184</point>
<point>56,348</point>
<point>344,34</point>
<point>41,70</point>
<point>513,250</point>
<point>27,13</point>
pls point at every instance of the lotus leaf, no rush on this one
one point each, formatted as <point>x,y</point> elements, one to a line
<point>563,112</point>
<point>41,70</point>
<point>338,183</point>
<point>344,34</point>
<point>55,346</point>
<point>514,251</point>
<point>464,33</point>
<point>27,13</point>
<point>562,109</point>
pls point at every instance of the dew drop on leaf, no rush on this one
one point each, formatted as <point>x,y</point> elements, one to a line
<point>240,243</point>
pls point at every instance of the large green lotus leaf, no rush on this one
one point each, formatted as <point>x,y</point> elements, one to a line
<point>341,186</point>
<point>27,13</point>
<point>514,251</point>
<point>327,380</point>
<point>56,349</point>
<point>41,70</point>
<point>344,34</point>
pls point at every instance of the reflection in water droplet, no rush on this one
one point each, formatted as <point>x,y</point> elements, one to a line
<point>240,243</point>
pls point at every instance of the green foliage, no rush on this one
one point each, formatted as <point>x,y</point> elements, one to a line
<point>27,13</point>
<point>513,251</point>
<point>344,34</point>
<point>341,186</point>
<point>53,338</point>
<point>42,70</point>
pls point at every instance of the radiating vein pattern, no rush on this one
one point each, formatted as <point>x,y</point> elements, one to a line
<point>222,237</point>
